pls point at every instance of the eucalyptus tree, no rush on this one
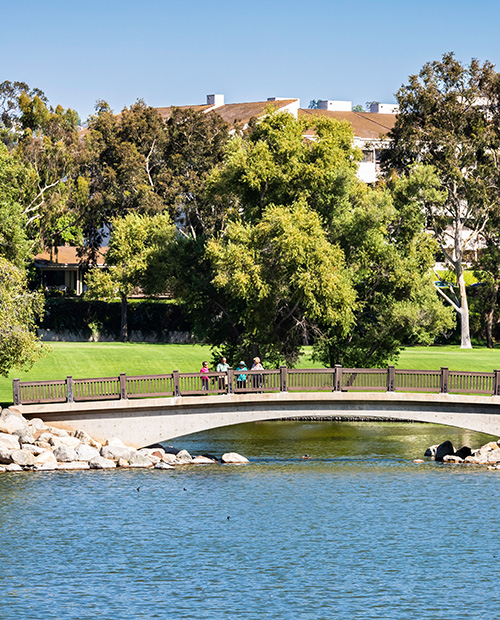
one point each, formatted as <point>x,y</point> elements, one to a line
<point>447,119</point>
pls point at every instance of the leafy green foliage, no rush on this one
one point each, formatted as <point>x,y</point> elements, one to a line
<point>290,278</point>
<point>19,310</point>
<point>448,119</point>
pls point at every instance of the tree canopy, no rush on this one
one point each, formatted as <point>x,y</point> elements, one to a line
<point>447,119</point>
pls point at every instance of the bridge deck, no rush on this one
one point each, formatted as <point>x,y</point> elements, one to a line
<point>150,420</point>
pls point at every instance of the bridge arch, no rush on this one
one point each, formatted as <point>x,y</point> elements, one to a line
<point>145,422</point>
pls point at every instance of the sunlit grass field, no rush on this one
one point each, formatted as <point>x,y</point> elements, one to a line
<point>108,359</point>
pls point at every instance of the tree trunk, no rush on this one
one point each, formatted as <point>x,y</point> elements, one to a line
<point>490,316</point>
<point>465,342</point>
<point>124,325</point>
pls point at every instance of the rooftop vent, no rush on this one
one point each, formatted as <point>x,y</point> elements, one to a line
<point>384,108</point>
<point>335,106</point>
<point>215,100</point>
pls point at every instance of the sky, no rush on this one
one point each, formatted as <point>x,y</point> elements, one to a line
<point>173,53</point>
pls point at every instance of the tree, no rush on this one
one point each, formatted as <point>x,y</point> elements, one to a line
<point>384,264</point>
<point>136,239</point>
<point>390,257</point>
<point>49,145</point>
<point>16,181</point>
<point>290,278</point>
<point>10,112</point>
<point>446,120</point>
<point>20,346</point>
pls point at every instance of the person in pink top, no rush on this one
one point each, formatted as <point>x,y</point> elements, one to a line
<point>204,380</point>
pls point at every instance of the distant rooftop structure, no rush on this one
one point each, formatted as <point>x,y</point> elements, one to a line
<point>238,115</point>
<point>334,105</point>
<point>384,108</point>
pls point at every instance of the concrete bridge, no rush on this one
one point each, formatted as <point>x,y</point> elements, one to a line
<point>146,421</point>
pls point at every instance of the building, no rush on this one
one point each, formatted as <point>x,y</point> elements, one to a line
<point>370,130</point>
<point>61,269</point>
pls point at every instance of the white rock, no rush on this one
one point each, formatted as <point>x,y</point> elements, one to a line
<point>49,466</point>
<point>24,435</point>
<point>2,469</point>
<point>122,463</point>
<point>114,441</point>
<point>147,452</point>
<point>71,442</point>
<point>140,460</point>
<point>163,465</point>
<point>115,452</point>
<point>64,454</point>
<point>73,465</point>
<point>36,450</point>
<point>494,456</point>
<point>87,439</point>
<point>183,457</point>
<point>23,458</point>
<point>36,424</point>
<point>44,436</point>
<point>45,457</point>
<point>58,432</point>
<point>202,460</point>
<point>11,421</point>
<point>14,467</point>
<point>450,458</point>
<point>234,458</point>
<point>99,462</point>
<point>85,452</point>
<point>10,442</point>
<point>55,441</point>
<point>6,455</point>
<point>169,458</point>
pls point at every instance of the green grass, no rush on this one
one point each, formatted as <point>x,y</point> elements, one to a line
<point>108,359</point>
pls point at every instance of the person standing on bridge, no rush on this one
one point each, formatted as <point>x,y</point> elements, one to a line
<point>223,366</point>
<point>204,380</point>
<point>241,378</point>
<point>257,379</point>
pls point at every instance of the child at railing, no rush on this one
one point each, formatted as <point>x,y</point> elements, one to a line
<point>204,380</point>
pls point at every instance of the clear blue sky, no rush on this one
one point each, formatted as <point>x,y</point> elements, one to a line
<point>175,53</point>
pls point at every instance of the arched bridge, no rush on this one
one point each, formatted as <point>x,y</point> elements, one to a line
<point>143,410</point>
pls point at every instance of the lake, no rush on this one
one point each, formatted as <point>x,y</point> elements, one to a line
<point>357,532</point>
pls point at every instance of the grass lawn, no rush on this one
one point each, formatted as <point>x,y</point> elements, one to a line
<point>108,359</point>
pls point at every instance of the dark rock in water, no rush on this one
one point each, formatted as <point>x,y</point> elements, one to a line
<point>170,450</point>
<point>211,456</point>
<point>464,452</point>
<point>444,449</point>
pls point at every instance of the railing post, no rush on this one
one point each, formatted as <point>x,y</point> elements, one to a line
<point>177,389</point>
<point>69,389</point>
<point>391,377</point>
<point>283,379</point>
<point>337,378</point>
<point>496,383</point>
<point>443,380</point>
<point>123,386</point>
<point>230,380</point>
<point>16,391</point>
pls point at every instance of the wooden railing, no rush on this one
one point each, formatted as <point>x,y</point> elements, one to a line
<point>284,379</point>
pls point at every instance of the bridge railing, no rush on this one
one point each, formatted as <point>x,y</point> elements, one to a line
<point>284,379</point>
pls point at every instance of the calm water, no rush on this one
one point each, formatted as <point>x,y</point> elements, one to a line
<point>357,532</point>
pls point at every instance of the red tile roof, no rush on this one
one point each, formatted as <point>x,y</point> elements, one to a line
<point>366,125</point>
<point>66,256</point>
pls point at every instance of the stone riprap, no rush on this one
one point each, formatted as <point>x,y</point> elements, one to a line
<point>30,445</point>
<point>489,454</point>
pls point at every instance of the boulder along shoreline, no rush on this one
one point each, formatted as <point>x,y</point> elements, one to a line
<point>488,454</point>
<point>31,445</point>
